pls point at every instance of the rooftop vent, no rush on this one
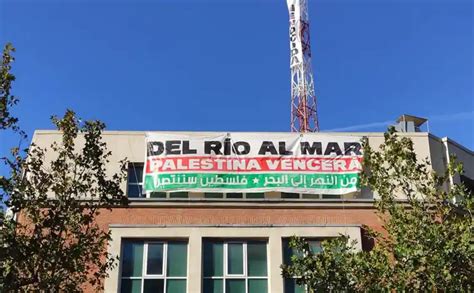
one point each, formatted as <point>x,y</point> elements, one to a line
<point>409,123</point>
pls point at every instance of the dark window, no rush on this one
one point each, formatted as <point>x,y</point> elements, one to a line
<point>157,194</point>
<point>234,195</point>
<point>239,266</point>
<point>468,182</point>
<point>255,195</point>
<point>178,195</point>
<point>290,195</point>
<point>135,180</point>
<point>154,266</point>
<point>213,195</point>
<point>331,196</point>
<point>155,259</point>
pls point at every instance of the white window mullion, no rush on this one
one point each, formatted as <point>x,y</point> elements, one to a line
<point>165,264</point>
<point>224,275</point>
<point>144,264</point>
<point>244,256</point>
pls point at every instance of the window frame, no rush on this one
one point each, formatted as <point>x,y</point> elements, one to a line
<point>244,276</point>
<point>164,276</point>
<point>138,182</point>
<point>225,196</point>
<point>285,241</point>
<point>168,195</point>
<point>226,261</point>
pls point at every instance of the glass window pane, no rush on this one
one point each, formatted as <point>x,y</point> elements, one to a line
<point>213,258</point>
<point>311,196</point>
<point>290,195</point>
<point>134,190</point>
<point>135,172</point>
<point>287,252</point>
<point>154,286</point>
<point>175,286</point>
<point>331,196</point>
<point>178,195</point>
<point>235,256</point>
<point>132,258</point>
<point>158,194</point>
<point>235,286</point>
<point>213,195</point>
<point>292,287</point>
<point>177,259</point>
<point>255,195</point>
<point>257,258</point>
<point>315,246</point>
<point>213,286</point>
<point>234,195</point>
<point>155,259</point>
<point>131,286</point>
<point>258,286</point>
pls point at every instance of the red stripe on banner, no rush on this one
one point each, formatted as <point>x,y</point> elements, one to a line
<point>254,164</point>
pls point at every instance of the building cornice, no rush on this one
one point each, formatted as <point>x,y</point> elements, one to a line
<point>252,204</point>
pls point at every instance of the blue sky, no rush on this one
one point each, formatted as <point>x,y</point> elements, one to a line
<point>224,65</point>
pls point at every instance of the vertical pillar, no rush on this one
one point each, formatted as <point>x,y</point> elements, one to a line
<point>194,262</point>
<point>275,259</point>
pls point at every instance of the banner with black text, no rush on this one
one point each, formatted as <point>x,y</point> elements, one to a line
<point>252,162</point>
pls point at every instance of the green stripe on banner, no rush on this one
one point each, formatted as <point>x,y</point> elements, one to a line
<point>329,181</point>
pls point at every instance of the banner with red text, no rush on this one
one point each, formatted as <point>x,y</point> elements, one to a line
<point>252,162</point>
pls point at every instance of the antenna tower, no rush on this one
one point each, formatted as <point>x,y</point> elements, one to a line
<point>304,115</point>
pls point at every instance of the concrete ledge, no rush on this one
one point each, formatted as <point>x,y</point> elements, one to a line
<point>115,226</point>
<point>261,203</point>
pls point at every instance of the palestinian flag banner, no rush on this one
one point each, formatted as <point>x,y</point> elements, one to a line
<point>313,163</point>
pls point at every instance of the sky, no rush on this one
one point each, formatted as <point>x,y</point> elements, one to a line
<point>203,65</point>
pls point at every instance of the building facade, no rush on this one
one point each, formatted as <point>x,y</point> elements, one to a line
<point>231,241</point>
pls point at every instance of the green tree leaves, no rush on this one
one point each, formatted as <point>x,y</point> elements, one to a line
<point>7,100</point>
<point>428,244</point>
<point>56,193</point>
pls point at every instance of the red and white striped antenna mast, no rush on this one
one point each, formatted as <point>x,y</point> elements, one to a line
<point>304,114</point>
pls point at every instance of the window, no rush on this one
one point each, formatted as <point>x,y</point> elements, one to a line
<point>331,196</point>
<point>235,195</point>
<point>154,266</point>
<point>255,195</point>
<point>169,194</point>
<point>310,196</point>
<point>288,252</point>
<point>213,195</point>
<point>290,195</point>
<point>235,266</point>
<point>468,182</point>
<point>135,185</point>
<point>135,180</point>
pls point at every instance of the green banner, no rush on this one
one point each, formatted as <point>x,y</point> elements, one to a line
<point>266,181</point>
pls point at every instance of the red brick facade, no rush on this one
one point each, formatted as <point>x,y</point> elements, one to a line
<point>243,216</point>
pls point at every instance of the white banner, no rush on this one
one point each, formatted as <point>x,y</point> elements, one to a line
<point>296,47</point>
<point>252,162</point>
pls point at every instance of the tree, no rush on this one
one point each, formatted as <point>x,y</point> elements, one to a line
<point>7,101</point>
<point>53,243</point>
<point>427,244</point>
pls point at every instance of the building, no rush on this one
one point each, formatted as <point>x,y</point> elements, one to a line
<point>221,241</point>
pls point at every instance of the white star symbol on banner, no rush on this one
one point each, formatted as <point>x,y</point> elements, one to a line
<point>255,180</point>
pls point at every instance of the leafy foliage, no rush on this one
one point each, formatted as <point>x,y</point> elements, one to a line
<point>53,243</point>
<point>428,244</point>
<point>7,100</point>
